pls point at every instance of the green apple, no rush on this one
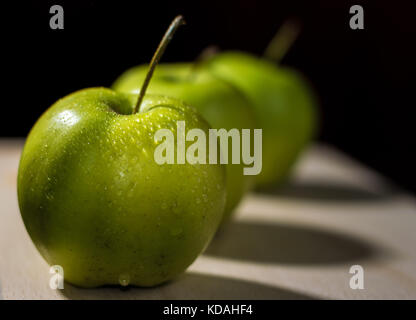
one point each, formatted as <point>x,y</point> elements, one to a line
<point>96,202</point>
<point>220,103</point>
<point>284,105</point>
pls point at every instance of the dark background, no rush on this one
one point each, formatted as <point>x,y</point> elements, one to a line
<point>365,78</point>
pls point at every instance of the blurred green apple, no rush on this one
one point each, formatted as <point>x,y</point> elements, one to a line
<point>219,102</point>
<point>284,104</point>
<point>94,200</point>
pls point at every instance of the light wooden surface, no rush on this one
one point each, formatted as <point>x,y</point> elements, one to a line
<point>299,242</point>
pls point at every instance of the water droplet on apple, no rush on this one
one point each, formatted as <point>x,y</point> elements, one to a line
<point>124,279</point>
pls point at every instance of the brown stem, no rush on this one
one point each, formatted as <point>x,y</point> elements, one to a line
<point>203,57</point>
<point>283,40</point>
<point>176,23</point>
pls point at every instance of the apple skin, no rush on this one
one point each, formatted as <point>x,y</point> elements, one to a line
<point>221,104</point>
<point>94,201</point>
<point>284,104</point>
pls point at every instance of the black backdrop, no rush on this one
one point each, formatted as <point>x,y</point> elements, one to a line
<point>365,78</point>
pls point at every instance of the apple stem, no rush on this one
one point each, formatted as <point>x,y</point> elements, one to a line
<point>200,60</point>
<point>176,23</point>
<point>282,40</point>
<point>204,56</point>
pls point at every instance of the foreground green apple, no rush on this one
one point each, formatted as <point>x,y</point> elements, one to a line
<point>221,104</point>
<point>284,105</point>
<point>94,200</point>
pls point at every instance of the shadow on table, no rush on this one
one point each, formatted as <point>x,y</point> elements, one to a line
<point>286,244</point>
<point>326,191</point>
<point>189,286</point>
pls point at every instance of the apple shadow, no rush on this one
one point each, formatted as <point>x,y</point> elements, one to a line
<point>286,244</point>
<point>326,191</point>
<point>187,286</point>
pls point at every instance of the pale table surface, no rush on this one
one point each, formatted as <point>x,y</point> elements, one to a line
<point>294,243</point>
